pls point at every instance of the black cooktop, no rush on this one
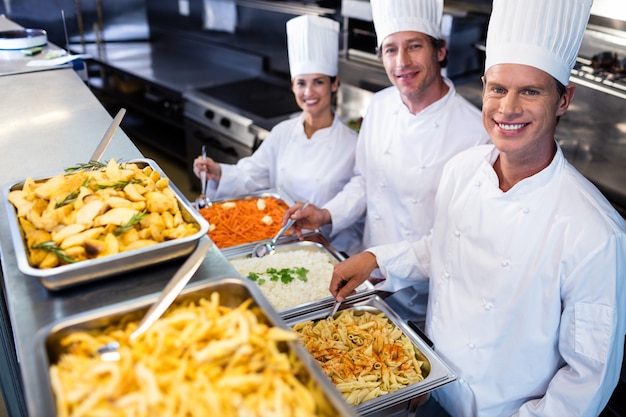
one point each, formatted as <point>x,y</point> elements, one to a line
<point>255,96</point>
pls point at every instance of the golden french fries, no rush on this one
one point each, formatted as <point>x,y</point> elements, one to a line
<point>199,359</point>
<point>94,213</point>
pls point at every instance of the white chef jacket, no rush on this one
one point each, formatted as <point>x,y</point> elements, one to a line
<point>527,290</point>
<point>303,169</point>
<point>399,161</point>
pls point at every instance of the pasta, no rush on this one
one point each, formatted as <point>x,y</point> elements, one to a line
<point>199,359</point>
<point>365,355</point>
<point>243,221</point>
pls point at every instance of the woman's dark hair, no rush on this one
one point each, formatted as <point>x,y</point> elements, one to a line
<point>437,45</point>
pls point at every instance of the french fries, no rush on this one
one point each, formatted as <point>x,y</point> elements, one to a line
<point>199,359</point>
<point>93,213</point>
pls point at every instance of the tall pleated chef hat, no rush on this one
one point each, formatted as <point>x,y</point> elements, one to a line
<point>312,45</point>
<point>391,16</point>
<point>545,34</point>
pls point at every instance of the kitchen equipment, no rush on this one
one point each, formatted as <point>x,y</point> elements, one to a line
<point>64,276</point>
<point>232,293</point>
<point>232,119</point>
<point>23,38</point>
<point>202,200</point>
<point>108,135</point>
<point>268,248</point>
<point>170,292</point>
<point>436,372</point>
<point>314,242</point>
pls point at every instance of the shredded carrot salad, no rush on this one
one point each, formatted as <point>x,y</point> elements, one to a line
<point>248,220</point>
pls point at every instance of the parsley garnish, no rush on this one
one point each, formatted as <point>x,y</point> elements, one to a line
<point>284,275</point>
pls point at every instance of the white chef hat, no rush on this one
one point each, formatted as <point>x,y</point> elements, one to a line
<point>391,16</point>
<point>545,34</point>
<point>312,45</point>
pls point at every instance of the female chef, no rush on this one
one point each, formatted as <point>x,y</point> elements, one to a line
<point>309,157</point>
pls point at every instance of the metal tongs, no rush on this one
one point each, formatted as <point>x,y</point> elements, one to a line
<point>110,351</point>
<point>263,249</point>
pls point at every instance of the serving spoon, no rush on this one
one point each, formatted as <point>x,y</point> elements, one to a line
<point>110,351</point>
<point>263,249</point>
<point>108,135</point>
<point>202,200</point>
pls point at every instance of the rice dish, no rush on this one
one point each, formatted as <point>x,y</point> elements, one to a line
<point>289,279</point>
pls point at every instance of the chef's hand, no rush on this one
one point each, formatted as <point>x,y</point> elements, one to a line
<point>349,274</point>
<point>310,218</point>
<point>212,168</point>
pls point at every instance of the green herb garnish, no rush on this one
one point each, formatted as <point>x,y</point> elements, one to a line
<point>71,197</point>
<point>51,247</point>
<point>132,222</point>
<point>89,166</point>
<point>119,185</point>
<point>284,275</point>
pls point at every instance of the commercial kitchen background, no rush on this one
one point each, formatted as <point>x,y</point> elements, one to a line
<point>185,84</point>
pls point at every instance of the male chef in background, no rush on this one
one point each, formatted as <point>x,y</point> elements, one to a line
<point>410,130</point>
<point>526,260</point>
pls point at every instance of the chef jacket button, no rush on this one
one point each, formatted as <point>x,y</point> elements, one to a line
<point>505,263</point>
<point>376,217</point>
<point>488,306</point>
<point>525,210</point>
<point>471,346</point>
<point>461,381</point>
<point>446,275</point>
<point>457,233</point>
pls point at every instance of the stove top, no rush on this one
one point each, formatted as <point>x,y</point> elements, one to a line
<point>255,96</point>
<point>605,71</point>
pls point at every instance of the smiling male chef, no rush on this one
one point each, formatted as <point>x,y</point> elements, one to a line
<point>526,260</point>
<point>411,129</point>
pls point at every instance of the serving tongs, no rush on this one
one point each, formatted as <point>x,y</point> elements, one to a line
<point>110,351</point>
<point>268,248</point>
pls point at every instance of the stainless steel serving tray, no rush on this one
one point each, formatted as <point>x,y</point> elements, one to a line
<point>439,373</point>
<point>232,291</point>
<point>93,269</point>
<point>314,242</point>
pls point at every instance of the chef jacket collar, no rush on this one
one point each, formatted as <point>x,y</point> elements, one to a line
<point>527,185</point>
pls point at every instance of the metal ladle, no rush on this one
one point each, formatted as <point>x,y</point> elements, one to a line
<point>263,249</point>
<point>110,351</point>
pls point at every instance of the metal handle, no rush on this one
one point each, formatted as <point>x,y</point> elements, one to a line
<point>108,135</point>
<point>287,225</point>
<point>174,287</point>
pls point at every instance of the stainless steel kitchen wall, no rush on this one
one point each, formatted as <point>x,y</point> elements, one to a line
<point>123,20</point>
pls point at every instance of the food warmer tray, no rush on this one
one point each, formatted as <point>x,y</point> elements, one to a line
<point>69,275</point>
<point>232,291</point>
<point>439,373</point>
<point>312,242</point>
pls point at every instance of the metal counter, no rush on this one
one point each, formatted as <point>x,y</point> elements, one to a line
<point>49,120</point>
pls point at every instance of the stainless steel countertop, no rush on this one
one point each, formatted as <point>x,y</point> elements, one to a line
<point>177,64</point>
<point>48,121</point>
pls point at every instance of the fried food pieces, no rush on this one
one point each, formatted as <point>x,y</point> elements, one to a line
<point>98,212</point>
<point>199,359</point>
